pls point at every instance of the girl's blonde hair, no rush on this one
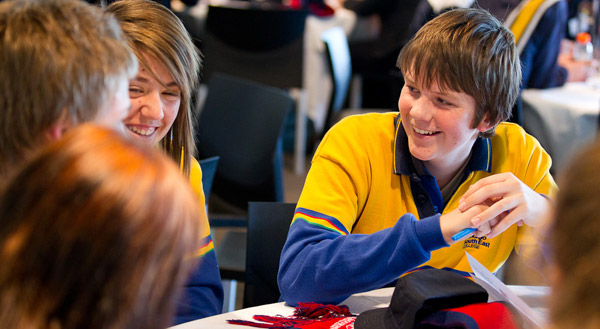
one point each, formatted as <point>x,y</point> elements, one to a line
<point>153,29</point>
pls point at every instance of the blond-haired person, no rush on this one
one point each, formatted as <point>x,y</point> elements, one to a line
<point>161,115</point>
<point>575,246</point>
<point>63,62</point>
<point>97,232</point>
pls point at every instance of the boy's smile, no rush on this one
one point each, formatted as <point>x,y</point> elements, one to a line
<point>438,124</point>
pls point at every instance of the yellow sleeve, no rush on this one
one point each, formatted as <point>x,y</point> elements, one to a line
<point>196,181</point>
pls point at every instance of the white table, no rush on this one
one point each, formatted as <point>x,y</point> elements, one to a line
<point>563,119</point>
<point>534,296</point>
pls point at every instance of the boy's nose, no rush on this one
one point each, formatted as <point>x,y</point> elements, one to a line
<point>422,109</point>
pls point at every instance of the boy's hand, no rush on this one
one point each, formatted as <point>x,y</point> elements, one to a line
<point>457,220</point>
<point>512,202</point>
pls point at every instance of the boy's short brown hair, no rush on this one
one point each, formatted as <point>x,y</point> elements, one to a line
<point>60,61</point>
<point>470,51</point>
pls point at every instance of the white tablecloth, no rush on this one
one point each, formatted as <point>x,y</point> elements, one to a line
<point>534,296</point>
<point>562,119</point>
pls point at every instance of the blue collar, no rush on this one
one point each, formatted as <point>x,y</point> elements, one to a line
<point>405,164</point>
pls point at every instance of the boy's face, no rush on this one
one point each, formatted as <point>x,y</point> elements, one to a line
<point>117,107</point>
<point>438,123</point>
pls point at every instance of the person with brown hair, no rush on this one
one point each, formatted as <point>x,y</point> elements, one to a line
<point>64,62</point>
<point>575,245</point>
<point>161,115</point>
<point>390,193</point>
<point>97,232</point>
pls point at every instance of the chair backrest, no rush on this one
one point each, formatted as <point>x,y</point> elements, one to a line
<point>340,65</point>
<point>241,122</point>
<point>209,168</point>
<point>263,44</point>
<point>268,226</point>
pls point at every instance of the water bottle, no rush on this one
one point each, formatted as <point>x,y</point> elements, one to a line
<point>583,49</point>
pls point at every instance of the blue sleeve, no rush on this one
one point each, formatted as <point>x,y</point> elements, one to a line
<point>203,292</point>
<point>323,266</point>
<point>539,58</point>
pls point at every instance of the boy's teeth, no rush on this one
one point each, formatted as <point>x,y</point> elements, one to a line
<point>424,132</point>
<point>143,132</point>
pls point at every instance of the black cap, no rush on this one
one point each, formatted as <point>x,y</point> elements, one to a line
<point>419,294</point>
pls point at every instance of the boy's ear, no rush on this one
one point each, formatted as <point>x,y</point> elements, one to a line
<point>485,124</point>
<point>57,129</point>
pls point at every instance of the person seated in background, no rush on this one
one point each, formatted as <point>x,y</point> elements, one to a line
<point>574,244</point>
<point>388,193</point>
<point>64,62</point>
<point>161,116</point>
<point>95,232</point>
<point>539,57</point>
<point>547,61</point>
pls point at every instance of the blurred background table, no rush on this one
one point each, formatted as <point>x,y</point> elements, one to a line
<point>563,119</point>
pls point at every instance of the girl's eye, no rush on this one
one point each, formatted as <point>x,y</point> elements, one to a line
<point>133,90</point>
<point>172,94</point>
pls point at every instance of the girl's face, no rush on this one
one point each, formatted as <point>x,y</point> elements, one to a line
<point>154,103</point>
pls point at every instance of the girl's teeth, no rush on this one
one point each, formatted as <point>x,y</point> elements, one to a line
<point>143,132</point>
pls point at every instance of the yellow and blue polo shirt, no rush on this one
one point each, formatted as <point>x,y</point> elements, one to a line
<point>369,212</point>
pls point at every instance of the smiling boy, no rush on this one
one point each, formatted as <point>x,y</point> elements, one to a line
<point>386,192</point>
<point>63,63</point>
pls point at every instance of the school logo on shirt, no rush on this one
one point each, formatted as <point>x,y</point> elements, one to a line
<point>476,243</point>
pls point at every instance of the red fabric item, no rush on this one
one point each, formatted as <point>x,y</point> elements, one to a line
<point>320,9</point>
<point>495,315</point>
<point>489,315</point>
<point>306,316</point>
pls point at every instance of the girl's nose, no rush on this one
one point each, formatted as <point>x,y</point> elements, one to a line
<point>152,108</point>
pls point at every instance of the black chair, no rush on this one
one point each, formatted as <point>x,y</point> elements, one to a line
<point>241,122</point>
<point>340,66</point>
<point>268,226</point>
<point>262,43</point>
<point>209,168</point>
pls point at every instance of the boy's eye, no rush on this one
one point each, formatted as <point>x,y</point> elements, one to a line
<point>443,102</point>
<point>412,89</point>
<point>134,90</point>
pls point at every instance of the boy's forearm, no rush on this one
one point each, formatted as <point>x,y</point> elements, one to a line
<point>321,266</point>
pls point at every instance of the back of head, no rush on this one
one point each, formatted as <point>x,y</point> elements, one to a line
<point>96,232</point>
<point>575,244</point>
<point>60,61</point>
<point>153,30</point>
<point>470,51</point>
